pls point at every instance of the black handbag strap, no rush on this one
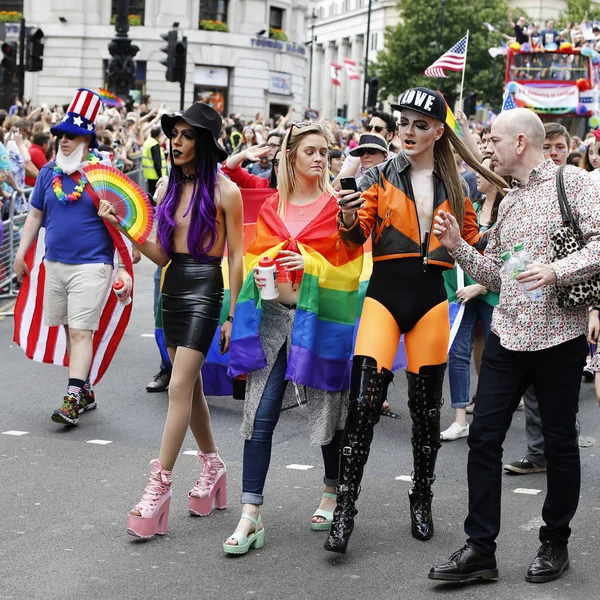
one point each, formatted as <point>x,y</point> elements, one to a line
<point>565,209</point>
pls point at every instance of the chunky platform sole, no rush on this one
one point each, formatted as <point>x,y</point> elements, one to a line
<point>546,578</point>
<point>146,528</point>
<point>202,507</point>
<point>255,540</point>
<point>485,574</point>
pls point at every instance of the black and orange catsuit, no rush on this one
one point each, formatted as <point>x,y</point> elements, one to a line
<point>406,295</point>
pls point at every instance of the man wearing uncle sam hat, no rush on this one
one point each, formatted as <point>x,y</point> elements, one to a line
<point>78,252</point>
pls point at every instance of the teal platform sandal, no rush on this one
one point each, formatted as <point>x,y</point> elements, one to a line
<point>326,514</point>
<point>244,543</point>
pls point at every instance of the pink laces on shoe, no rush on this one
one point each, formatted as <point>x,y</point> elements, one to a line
<point>213,468</point>
<point>159,483</point>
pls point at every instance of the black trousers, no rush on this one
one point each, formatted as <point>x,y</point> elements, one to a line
<point>555,374</point>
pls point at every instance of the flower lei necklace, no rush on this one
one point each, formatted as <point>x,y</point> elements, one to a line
<point>76,193</point>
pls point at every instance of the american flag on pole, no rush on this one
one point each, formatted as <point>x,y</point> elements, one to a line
<point>453,60</point>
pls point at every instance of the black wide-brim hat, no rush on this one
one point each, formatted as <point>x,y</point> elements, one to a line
<point>199,116</point>
<point>423,100</point>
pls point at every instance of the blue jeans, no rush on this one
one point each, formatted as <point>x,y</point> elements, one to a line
<point>164,367</point>
<point>459,357</point>
<point>257,450</point>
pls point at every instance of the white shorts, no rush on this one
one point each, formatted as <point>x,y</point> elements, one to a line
<point>74,294</point>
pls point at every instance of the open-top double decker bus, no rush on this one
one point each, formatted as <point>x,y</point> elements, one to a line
<point>558,84</point>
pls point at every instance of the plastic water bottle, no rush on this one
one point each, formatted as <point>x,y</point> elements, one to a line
<point>524,260</point>
<point>512,267</point>
<point>268,270</point>
<point>121,293</point>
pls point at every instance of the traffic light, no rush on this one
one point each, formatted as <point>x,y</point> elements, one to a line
<point>9,57</point>
<point>469,105</point>
<point>372,95</point>
<point>121,68</point>
<point>34,50</point>
<point>180,61</point>
<point>169,50</point>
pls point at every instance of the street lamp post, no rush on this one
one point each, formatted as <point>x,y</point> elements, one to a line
<point>121,67</point>
<point>312,47</point>
<point>364,102</point>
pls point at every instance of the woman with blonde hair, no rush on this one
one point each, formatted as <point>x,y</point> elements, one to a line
<point>406,296</point>
<point>305,335</point>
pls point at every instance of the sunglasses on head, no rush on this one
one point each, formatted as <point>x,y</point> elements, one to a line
<point>369,151</point>
<point>69,136</point>
<point>298,125</point>
<point>375,128</point>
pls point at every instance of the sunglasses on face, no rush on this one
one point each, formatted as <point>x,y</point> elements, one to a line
<point>369,151</point>
<point>68,136</point>
<point>375,128</point>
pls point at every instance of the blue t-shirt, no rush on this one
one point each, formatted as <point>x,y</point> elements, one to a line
<point>75,234</point>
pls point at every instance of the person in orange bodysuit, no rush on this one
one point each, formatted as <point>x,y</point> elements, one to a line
<point>406,295</point>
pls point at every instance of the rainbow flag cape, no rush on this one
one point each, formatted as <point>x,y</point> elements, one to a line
<point>110,99</point>
<point>328,306</point>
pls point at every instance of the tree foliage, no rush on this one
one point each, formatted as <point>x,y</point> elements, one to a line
<point>576,10</point>
<point>414,44</point>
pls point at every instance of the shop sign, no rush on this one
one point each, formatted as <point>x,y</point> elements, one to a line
<point>279,83</point>
<point>278,45</point>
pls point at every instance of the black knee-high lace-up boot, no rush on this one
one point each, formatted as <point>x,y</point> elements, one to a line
<point>368,390</point>
<point>424,403</point>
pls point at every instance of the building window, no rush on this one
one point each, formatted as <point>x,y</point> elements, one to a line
<point>137,10</point>
<point>213,10</point>
<point>374,41</point>
<point>333,9</point>
<point>347,5</point>
<point>10,6</point>
<point>276,17</point>
<point>321,13</point>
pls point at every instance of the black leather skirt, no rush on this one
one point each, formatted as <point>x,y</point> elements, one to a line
<point>192,296</point>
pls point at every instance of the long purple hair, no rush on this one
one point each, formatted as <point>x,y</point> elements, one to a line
<point>203,221</point>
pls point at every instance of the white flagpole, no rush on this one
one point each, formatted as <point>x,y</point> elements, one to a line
<point>462,83</point>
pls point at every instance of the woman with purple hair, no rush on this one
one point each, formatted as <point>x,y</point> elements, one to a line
<point>199,210</point>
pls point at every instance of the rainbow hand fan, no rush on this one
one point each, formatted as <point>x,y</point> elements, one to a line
<point>131,203</point>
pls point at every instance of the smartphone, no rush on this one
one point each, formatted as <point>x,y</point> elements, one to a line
<point>222,344</point>
<point>349,183</point>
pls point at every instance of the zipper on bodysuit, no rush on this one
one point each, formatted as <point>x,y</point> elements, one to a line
<point>424,246</point>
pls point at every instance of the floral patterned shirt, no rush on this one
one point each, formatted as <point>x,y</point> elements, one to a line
<point>527,215</point>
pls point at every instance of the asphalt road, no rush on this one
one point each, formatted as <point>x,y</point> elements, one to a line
<point>64,501</point>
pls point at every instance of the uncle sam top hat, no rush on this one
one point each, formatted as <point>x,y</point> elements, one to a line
<point>81,116</point>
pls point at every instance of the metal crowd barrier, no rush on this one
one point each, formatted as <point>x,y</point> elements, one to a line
<point>137,176</point>
<point>9,244</point>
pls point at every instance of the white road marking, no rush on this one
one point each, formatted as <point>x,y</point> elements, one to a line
<point>150,335</point>
<point>99,442</point>
<point>191,452</point>
<point>526,491</point>
<point>300,467</point>
<point>15,432</point>
<point>404,478</point>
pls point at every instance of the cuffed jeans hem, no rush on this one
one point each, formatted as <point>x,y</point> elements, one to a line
<point>460,404</point>
<point>250,498</point>
<point>330,482</point>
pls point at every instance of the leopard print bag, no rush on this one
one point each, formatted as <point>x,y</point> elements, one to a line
<point>564,241</point>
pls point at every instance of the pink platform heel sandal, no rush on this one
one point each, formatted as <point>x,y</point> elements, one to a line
<point>154,505</point>
<point>211,488</point>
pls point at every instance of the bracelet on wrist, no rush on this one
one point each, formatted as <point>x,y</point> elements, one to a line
<point>121,266</point>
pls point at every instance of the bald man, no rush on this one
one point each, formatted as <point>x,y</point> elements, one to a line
<point>531,343</point>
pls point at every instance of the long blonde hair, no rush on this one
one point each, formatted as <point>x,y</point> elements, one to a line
<point>286,177</point>
<point>446,164</point>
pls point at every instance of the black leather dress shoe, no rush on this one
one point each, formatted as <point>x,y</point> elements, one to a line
<point>466,563</point>
<point>549,564</point>
<point>159,383</point>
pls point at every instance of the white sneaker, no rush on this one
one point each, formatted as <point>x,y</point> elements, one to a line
<point>454,432</point>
